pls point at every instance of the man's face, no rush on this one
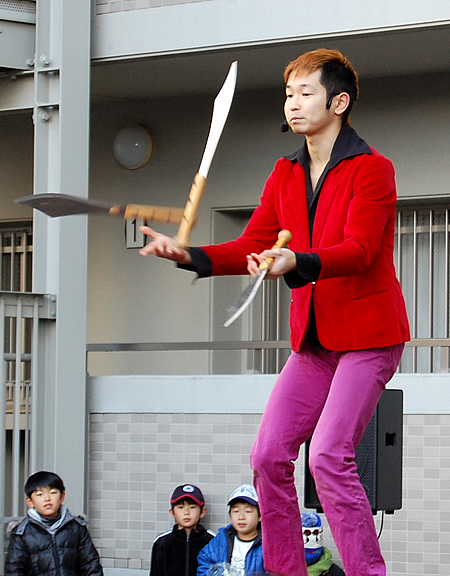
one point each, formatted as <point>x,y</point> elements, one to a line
<point>187,513</point>
<point>305,106</point>
<point>46,501</point>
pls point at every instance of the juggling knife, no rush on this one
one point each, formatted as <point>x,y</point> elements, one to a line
<point>222,105</point>
<point>55,205</point>
<point>246,297</point>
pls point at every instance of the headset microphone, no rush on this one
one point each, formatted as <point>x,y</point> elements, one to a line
<point>284,127</point>
<point>330,100</point>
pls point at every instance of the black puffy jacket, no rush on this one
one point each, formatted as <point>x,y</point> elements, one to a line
<point>34,551</point>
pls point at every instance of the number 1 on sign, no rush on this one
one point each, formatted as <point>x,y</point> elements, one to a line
<point>134,238</point>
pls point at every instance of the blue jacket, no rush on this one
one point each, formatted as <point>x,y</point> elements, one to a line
<point>220,548</point>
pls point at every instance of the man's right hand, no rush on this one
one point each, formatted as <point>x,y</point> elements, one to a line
<point>164,247</point>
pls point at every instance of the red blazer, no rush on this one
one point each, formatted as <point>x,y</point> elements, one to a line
<point>357,298</point>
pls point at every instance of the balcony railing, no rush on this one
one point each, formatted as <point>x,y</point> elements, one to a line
<point>20,316</point>
<point>437,350</point>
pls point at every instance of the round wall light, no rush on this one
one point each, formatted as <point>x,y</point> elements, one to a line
<point>132,147</point>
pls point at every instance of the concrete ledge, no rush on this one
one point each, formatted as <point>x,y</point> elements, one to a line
<point>228,394</point>
<point>424,393</point>
<point>223,394</point>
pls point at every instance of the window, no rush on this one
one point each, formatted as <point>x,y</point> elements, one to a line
<point>267,319</point>
<point>16,266</point>
<point>422,262</point>
<point>16,260</point>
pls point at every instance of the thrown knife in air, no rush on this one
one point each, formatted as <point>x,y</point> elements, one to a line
<point>222,105</point>
<point>56,204</point>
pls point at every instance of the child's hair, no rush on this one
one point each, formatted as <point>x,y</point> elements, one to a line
<point>183,500</point>
<point>242,501</point>
<point>43,479</point>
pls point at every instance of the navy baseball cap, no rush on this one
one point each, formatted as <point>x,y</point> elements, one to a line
<point>187,491</point>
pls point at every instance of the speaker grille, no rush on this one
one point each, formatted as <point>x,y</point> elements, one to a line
<point>366,463</point>
<point>378,457</point>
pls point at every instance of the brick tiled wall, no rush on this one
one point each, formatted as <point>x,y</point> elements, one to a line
<point>137,459</point>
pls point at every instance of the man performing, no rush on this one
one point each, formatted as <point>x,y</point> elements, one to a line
<point>337,197</point>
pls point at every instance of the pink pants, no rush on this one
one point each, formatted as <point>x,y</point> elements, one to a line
<point>331,396</point>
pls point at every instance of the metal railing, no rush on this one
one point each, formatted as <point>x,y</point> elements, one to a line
<point>442,345</point>
<point>422,247</point>
<point>20,315</point>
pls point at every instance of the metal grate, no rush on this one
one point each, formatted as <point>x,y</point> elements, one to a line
<point>422,261</point>
<point>16,242</point>
<point>20,313</point>
<point>16,333</point>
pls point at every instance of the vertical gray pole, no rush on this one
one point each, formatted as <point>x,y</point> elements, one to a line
<point>2,427</point>
<point>61,120</point>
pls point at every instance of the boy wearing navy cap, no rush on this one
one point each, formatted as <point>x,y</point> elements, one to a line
<point>239,544</point>
<point>174,553</point>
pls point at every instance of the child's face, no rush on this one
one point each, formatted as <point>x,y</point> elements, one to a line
<point>47,501</point>
<point>244,519</point>
<point>187,514</point>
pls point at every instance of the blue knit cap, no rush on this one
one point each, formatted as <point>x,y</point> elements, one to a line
<point>312,536</point>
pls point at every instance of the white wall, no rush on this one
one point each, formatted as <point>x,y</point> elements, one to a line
<point>407,119</point>
<point>148,435</point>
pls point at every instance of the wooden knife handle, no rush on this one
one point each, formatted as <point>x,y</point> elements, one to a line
<point>163,214</point>
<point>190,214</point>
<point>284,237</point>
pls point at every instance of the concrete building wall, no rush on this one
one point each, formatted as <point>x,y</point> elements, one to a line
<point>136,27</point>
<point>16,153</point>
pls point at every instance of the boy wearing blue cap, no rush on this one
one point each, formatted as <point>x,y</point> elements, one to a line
<point>174,553</point>
<point>318,558</point>
<point>239,544</point>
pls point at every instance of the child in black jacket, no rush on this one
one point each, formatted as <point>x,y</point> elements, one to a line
<point>174,553</point>
<point>50,541</point>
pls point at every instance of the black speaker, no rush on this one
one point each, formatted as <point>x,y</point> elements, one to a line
<point>378,457</point>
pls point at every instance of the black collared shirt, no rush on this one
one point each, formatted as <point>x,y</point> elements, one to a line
<point>348,144</point>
